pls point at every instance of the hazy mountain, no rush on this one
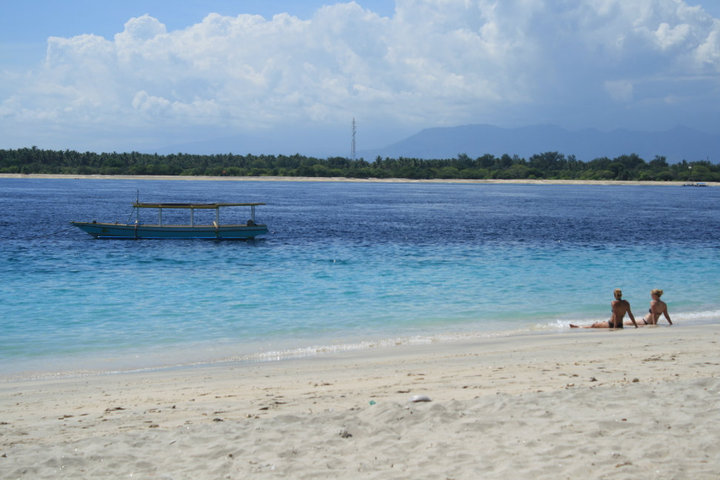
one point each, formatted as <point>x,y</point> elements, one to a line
<point>678,144</point>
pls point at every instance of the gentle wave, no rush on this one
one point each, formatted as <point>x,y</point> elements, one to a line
<point>312,351</point>
<point>703,317</point>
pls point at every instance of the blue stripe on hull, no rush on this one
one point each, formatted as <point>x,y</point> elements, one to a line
<point>112,231</point>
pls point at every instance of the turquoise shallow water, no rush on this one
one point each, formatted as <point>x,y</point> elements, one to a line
<point>345,266</point>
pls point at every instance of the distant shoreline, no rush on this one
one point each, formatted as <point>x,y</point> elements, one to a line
<point>348,180</point>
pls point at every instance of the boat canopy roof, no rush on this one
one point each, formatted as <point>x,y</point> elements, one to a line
<point>193,205</point>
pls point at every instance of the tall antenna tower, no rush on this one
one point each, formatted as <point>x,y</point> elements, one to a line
<point>354,131</point>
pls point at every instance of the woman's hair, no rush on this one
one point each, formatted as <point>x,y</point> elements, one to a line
<point>618,294</point>
<point>657,292</point>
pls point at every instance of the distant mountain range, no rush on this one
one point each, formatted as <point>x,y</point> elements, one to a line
<point>678,144</point>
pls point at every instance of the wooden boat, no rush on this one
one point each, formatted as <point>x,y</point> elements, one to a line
<point>191,230</point>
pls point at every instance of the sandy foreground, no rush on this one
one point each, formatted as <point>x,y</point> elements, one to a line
<point>638,403</point>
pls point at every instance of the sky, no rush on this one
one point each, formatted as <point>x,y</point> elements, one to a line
<point>273,76</point>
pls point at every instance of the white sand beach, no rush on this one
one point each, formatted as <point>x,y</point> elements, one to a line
<point>345,179</point>
<point>637,403</point>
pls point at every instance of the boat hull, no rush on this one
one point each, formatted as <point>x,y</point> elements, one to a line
<point>140,231</point>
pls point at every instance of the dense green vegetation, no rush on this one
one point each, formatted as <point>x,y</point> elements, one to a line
<point>549,165</point>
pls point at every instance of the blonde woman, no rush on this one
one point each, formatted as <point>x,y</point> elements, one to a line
<point>657,308</point>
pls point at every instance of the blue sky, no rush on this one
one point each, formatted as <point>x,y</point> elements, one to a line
<point>289,76</point>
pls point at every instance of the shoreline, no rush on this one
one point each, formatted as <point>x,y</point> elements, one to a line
<point>210,354</point>
<point>596,404</point>
<point>192,354</point>
<point>345,180</point>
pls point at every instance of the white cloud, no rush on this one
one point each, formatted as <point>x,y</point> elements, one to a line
<point>620,90</point>
<point>667,36</point>
<point>434,62</point>
<point>147,103</point>
<point>708,52</point>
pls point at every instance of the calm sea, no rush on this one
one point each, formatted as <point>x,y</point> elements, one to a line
<point>345,266</point>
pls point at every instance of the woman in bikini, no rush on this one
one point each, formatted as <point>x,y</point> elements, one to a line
<point>619,308</point>
<point>657,308</point>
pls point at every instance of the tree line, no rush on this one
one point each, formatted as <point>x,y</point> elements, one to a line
<point>548,165</point>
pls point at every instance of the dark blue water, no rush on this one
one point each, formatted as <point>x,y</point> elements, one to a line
<point>345,266</point>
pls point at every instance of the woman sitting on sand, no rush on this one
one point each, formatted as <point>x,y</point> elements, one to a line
<point>657,308</point>
<point>619,308</point>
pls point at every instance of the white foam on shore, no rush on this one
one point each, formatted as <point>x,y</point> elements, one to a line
<point>230,353</point>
